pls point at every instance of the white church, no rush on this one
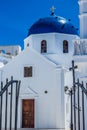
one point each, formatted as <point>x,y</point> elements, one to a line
<point>43,68</point>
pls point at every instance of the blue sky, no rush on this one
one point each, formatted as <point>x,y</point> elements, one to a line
<point>16,16</point>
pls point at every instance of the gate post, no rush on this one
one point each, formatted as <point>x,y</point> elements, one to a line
<point>78,108</point>
<point>1,97</point>
<point>6,107</point>
<point>83,115</point>
<point>71,92</point>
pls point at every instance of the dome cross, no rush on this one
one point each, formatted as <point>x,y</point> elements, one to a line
<point>52,9</point>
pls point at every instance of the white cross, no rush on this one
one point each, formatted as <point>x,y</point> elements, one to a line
<point>52,9</point>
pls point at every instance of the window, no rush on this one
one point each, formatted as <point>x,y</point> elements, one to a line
<point>16,52</point>
<point>65,46</point>
<point>8,53</point>
<point>28,71</point>
<point>43,46</point>
<point>28,45</point>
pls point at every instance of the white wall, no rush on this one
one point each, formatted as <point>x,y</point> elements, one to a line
<point>35,42</point>
<point>68,82</point>
<point>54,42</point>
<point>49,108</point>
<point>83,18</point>
<point>83,27</point>
<point>83,6</point>
<point>54,46</point>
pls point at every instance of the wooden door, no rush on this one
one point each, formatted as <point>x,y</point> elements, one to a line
<point>28,113</point>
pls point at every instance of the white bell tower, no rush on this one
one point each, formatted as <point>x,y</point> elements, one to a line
<point>83,18</point>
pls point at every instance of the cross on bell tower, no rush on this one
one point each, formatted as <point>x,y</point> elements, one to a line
<point>52,9</point>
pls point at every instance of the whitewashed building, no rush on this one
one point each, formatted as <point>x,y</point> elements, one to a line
<point>43,68</point>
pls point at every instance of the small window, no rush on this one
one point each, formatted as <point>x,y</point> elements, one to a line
<point>65,46</point>
<point>16,52</point>
<point>43,46</point>
<point>28,45</point>
<point>8,53</point>
<point>28,71</point>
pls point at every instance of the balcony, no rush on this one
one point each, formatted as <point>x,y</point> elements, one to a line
<point>80,47</point>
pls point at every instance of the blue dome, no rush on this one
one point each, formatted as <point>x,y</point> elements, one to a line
<point>53,24</point>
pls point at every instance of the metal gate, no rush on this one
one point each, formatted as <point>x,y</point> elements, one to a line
<point>6,103</point>
<point>78,102</point>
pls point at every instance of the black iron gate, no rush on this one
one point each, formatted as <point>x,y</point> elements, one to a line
<point>78,95</point>
<point>7,98</point>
